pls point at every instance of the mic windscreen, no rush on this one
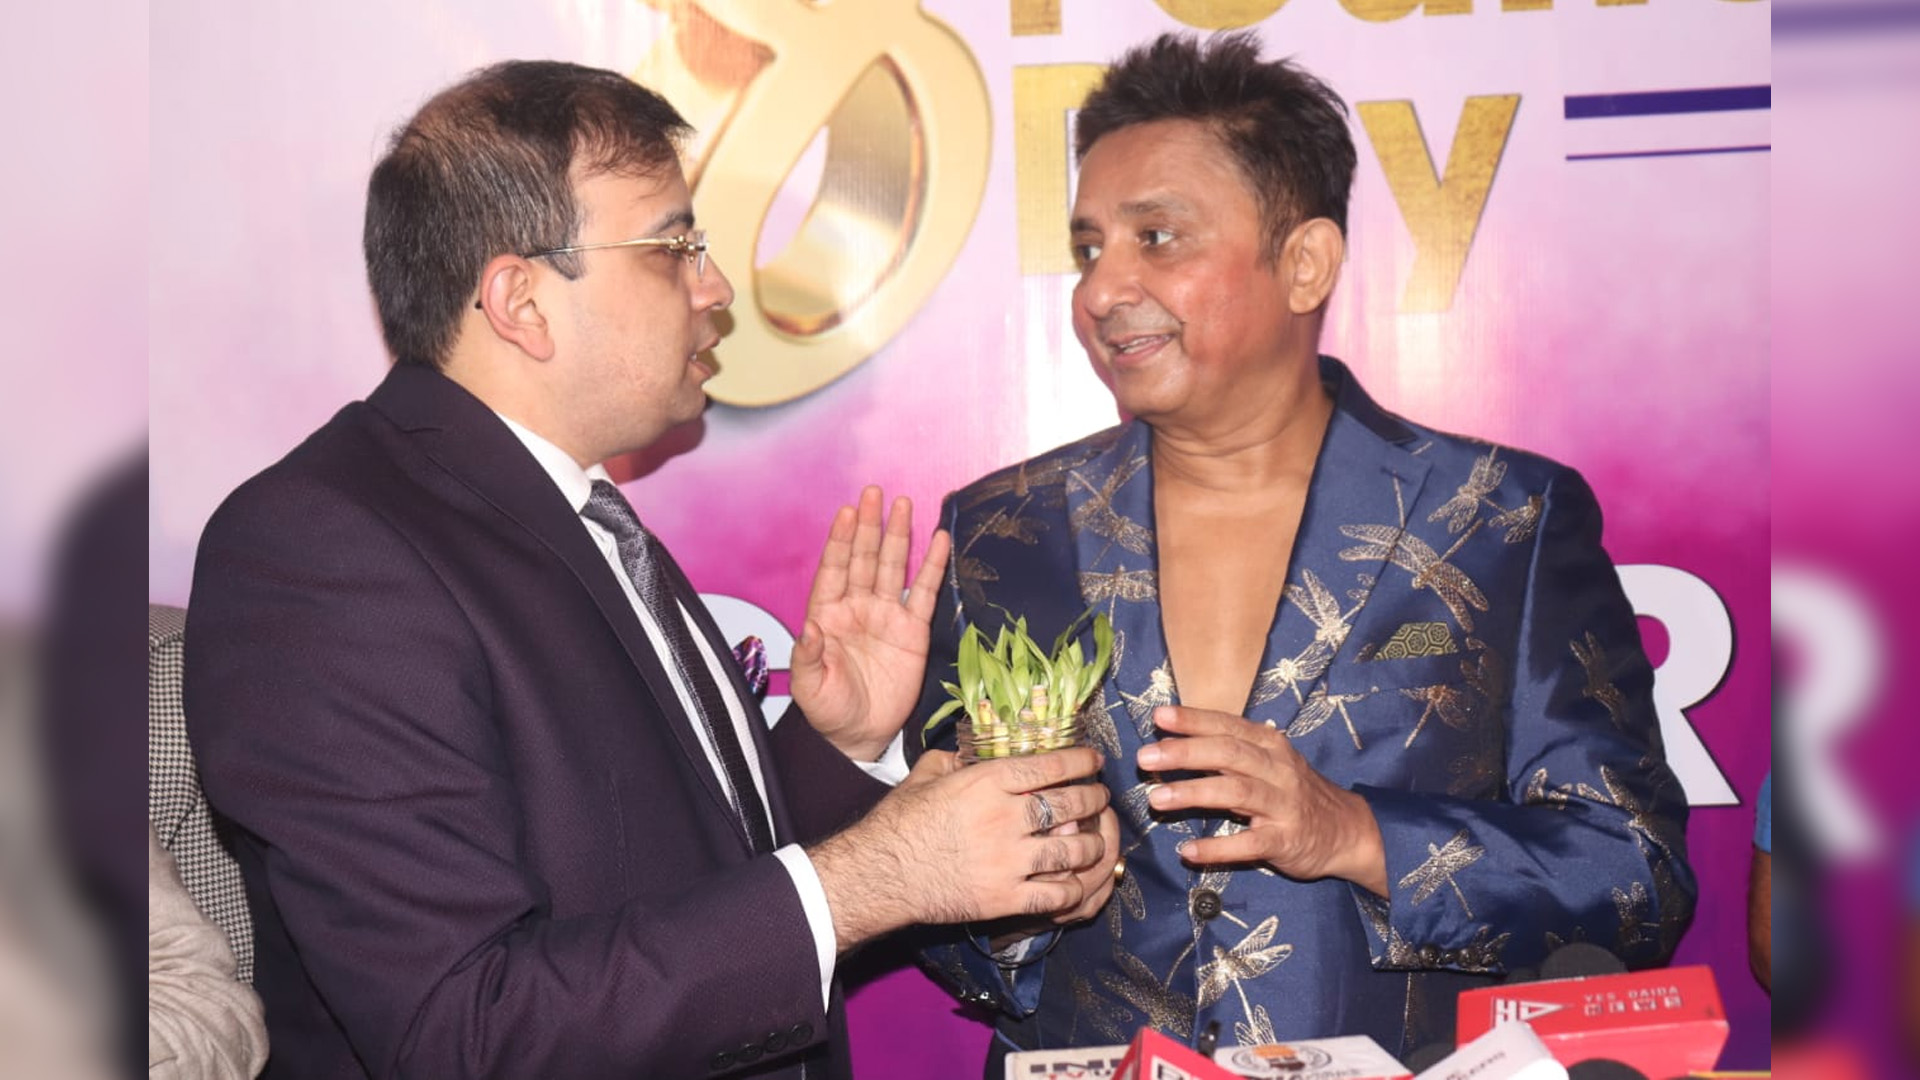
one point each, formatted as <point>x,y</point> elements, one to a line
<point>1521,975</point>
<point>1603,1069</point>
<point>1427,1056</point>
<point>1580,960</point>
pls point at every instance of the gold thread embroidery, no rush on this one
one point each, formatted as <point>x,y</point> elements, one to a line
<point>1417,639</point>
<point>1098,516</point>
<point>1320,707</point>
<point>1430,571</point>
<point>1137,586</point>
<point>1250,959</point>
<point>1439,869</point>
<point>1520,522</point>
<point>1460,510</point>
<point>1600,688</point>
<point>1165,1008</point>
<point>1445,701</point>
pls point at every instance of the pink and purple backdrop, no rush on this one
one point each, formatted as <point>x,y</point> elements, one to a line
<point>1612,312</point>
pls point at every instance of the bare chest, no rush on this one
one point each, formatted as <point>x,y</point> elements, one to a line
<point>1221,580</point>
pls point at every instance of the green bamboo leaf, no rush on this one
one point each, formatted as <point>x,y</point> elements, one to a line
<point>1072,631</point>
<point>1102,645</point>
<point>968,661</point>
<point>1041,660</point>
<point>1067,697</point>
<point>939,714</point>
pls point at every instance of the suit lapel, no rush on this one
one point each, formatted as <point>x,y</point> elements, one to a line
<point>1366,483</point>
<point>1110,516</point>
<point>704,625</point>
<point>462,436</point>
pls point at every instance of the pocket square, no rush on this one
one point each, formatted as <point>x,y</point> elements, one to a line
<point>751,655</point>
<point>1417,639</point>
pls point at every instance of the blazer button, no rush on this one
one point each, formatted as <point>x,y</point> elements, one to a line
<point>776,1042</point>
<point>721,1062</point>
<point>800,1034</point>
<point>1430,954</point>
<point>747,1054</point>
<point>1205,904</point>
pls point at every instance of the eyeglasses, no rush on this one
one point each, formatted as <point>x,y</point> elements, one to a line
<point>691,247</point>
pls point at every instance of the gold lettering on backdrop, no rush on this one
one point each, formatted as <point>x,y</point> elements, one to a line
<point>1389,10</point>
<point>1233,14</point>
<point>1220,14</point>
<point>1031,17</point>
<point>907,124</point>
<point>1443,214</point>
<point>1042,94</point>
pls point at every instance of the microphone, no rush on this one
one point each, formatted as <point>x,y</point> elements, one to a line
<point>1153,1055</point>
<point>1604,1069</point>
<point>1659,1023</point>
<point>1510,1051</point>
<point>1343,1057</point>
<point>1579,960</point>
<point>1428,1056</point>
<point>1072,1063</point>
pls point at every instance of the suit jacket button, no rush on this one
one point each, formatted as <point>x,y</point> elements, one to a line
<point>800,1034</point>
<point>721,1062</point>
<point>1430,954</point>
<point>1205,904</point>
<point>747,1054</point>
<point>776,1042</point>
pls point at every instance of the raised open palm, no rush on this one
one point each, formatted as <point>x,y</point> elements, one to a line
<point>858,666</point>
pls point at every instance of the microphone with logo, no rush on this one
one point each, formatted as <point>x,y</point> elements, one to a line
<point>1604,1022</point>
<point>1576,961</point>
<point>1511,1051</point>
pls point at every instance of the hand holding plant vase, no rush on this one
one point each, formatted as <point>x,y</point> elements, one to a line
<point>1019,700</point>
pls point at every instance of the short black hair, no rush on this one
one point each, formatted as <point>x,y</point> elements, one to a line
<point>1285,128</point>
<point>487,167</point>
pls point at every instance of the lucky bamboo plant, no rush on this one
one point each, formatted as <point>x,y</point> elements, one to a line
<point>1017,699</point>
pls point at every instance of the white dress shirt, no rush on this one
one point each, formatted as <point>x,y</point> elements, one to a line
<point>577,485</point>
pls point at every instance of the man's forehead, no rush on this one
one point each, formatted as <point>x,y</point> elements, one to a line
<point>1166,167</point>
<point>1151,204</point>
<point>652,201</point>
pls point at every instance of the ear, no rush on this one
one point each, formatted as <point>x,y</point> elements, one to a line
<point>508,304</point>
<point>1317,249</point>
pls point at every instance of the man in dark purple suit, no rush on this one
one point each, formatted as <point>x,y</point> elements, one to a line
<point>503,804</point>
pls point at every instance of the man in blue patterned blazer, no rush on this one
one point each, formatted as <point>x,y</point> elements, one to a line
<point>1416,743</point>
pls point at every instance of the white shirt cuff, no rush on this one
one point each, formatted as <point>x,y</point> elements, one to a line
<point>892,766</point>
<point>813,903</point>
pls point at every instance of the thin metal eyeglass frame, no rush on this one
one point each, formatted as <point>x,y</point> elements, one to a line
<point>691,247</point>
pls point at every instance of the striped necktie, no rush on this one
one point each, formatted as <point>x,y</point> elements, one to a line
<point>646,561</point>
